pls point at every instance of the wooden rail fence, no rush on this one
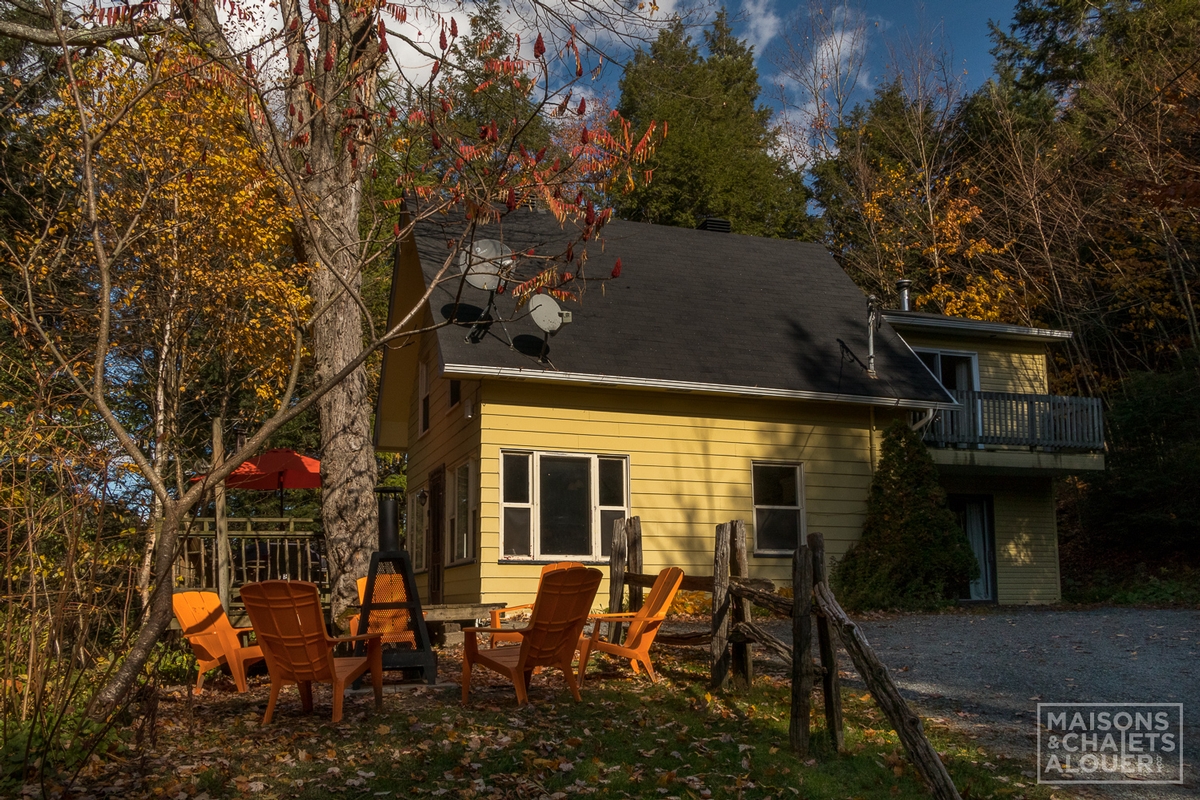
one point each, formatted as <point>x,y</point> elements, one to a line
<point>812,605</point>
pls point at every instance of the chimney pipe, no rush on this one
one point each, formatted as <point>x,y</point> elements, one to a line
<point>903,285</point>
<point>389,518</point>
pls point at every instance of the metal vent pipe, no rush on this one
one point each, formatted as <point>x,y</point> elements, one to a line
<point>903,285</point>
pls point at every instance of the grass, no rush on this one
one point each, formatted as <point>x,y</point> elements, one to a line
<point>628,738</point>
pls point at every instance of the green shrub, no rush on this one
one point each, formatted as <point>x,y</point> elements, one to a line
<point>1145,506</point>
<point>912,554</point>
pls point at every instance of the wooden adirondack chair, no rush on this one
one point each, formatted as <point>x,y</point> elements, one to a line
<point>499,614</point>
<point>643,626</point>
<point>213,639</point>
<point>559,613</point>
<point>290,627</point>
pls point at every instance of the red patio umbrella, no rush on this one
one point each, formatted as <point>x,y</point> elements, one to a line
<point>274,471</point>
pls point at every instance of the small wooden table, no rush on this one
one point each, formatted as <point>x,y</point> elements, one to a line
<point>458,612</point>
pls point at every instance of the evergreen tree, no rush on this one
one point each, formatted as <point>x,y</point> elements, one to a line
<point>480,96</point>
<point>912,554</point>
<point>1050,43</point>
<point>718,158</point>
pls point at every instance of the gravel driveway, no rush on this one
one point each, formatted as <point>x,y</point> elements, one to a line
<point>987,671</point>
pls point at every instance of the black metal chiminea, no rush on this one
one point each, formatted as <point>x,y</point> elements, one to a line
<point>391,605</point>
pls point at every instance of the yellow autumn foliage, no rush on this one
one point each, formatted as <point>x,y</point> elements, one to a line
<point>200,242</point>
<point>924,226</point>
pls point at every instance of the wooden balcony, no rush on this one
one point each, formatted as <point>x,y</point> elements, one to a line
<point>1010,420</point>
<point>261,548</point>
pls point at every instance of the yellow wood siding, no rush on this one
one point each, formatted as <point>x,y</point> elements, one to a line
<point>1004,366</point>
<point>392,429</point>
<point>689,467</point>
<point>1026,533</point>
<point>450,440</point>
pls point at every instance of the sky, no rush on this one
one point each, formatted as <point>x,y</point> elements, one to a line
<point>962,24</point>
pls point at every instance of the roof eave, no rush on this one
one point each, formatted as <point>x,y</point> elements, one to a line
<point>901,320</point>
<point>686,387</point>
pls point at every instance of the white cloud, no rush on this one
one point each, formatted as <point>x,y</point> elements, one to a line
<point>762,23</point>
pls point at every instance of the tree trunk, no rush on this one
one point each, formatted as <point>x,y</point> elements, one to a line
<point>348,471</point>
<point>154,623</point>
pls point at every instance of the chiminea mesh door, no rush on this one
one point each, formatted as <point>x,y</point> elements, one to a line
<point>392,607</point>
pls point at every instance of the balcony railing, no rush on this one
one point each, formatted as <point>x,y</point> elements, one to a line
<point>261,548</point>
<point>1019,420</point>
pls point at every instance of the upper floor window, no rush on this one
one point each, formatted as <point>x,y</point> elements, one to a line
<point>423,398</point>
<point>455,393</point>
<point>778,507</point>
<point>957,371</point>
<point>561,505</point>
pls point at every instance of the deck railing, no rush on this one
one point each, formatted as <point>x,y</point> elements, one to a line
<point>1021,420</point>
<point>261,548</point>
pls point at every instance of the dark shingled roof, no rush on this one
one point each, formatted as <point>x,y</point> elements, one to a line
<point>692,309</point>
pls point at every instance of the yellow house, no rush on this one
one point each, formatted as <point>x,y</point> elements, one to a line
<point>716,377</point>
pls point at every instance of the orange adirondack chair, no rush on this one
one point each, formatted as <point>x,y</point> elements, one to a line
<point>643,626</point>
<point>213,639</point>
<point>559,613</point>
<point>291,629</point>
<point>498,614</point>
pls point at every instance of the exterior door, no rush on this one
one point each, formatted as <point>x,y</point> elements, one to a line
<point>437,533</point>
<point>975,517</point>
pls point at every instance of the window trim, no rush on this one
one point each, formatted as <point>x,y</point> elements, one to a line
<point>472,543</point>
<point>537,556</point>
<point>801,499</point>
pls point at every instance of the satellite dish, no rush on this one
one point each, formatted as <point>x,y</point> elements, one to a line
<point>546,313</point>
<point>483,263</point>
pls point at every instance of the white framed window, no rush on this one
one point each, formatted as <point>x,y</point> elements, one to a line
<point>956,370</point>
<point>461,513</point>
<point>561,505</point>
<point>418,529</point>
<point>422,398</point>
<point>455,395</point>
<point>778,493</point>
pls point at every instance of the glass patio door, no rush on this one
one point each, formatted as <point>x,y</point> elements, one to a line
<point>975,517</point>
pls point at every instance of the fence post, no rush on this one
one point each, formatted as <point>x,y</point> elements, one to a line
<point>720,607</point>
<point>616,578</point>
<point>633,539</point>
<point>802,673</point>
<point>881,686</point>
<point>829,682</point>
<point>739,567</point>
